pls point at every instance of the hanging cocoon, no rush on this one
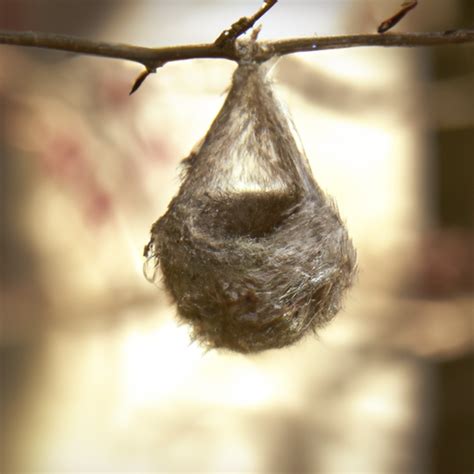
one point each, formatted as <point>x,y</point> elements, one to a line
<point>251,250</point>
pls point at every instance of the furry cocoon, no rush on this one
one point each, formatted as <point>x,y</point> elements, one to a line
<point>251,250</point>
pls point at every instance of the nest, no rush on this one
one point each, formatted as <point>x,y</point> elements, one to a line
<point>251,250</point>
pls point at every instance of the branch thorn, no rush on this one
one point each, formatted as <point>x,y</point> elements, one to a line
<point>141,78</point>
<point>393,20</point>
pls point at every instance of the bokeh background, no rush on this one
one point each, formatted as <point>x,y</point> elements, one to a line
<point>96,373</point>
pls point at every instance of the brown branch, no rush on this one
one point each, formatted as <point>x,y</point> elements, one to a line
<point>227,37</point>
<point>152,58</point>
<point>243,24</point>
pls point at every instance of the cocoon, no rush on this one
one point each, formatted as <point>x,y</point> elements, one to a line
<point>251,250</point>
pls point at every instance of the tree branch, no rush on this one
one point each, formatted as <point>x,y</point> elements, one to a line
<point>152,58</point>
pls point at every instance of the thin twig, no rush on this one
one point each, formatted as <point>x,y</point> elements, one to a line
<point>152,58</point>
<point>243,24</point>
<point>395,19</point>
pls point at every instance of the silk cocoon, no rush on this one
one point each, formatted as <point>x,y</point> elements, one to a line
<point>251,250</point>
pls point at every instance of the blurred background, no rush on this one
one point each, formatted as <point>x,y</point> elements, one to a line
<point>97,375</point>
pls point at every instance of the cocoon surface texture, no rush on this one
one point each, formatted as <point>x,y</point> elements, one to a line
<point>251,250</point>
